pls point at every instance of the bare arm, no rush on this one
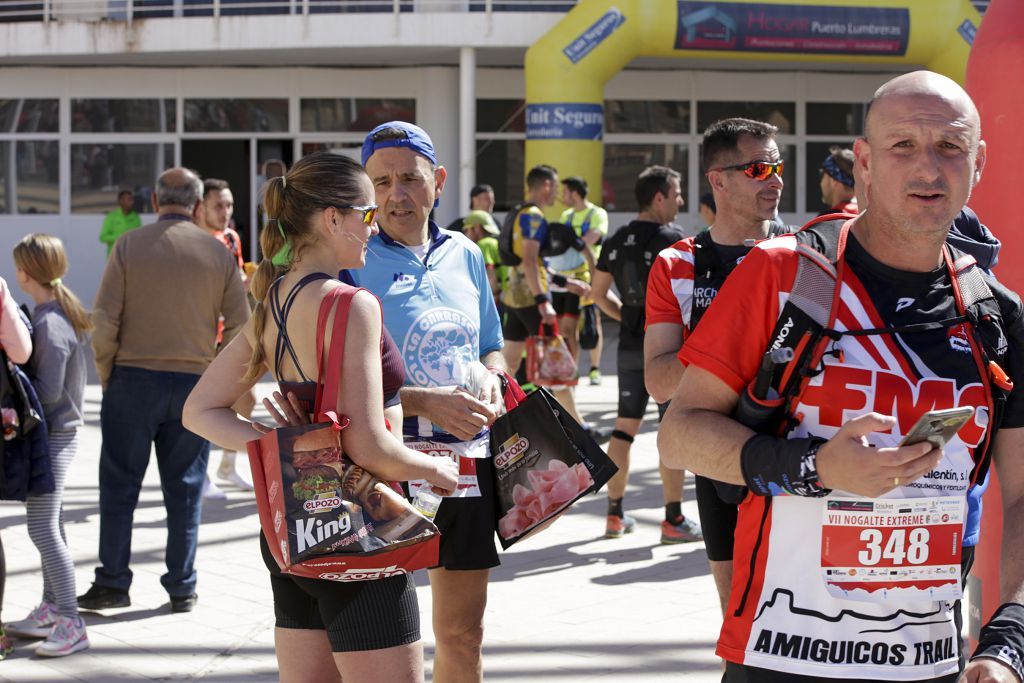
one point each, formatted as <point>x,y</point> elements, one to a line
<point>662,368</point>
<point>1006,456</point>
<point>14,336</point>
<point>600,292</point>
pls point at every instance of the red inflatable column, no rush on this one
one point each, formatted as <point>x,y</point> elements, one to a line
<point>995,70</point>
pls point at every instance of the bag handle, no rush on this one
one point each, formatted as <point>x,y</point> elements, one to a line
<point>542,326</point>
<point>328,378</point>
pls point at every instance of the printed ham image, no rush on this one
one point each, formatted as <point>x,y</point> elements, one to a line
<point>549,492</point>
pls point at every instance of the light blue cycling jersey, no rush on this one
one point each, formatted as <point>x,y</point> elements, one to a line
<point>439,311</point>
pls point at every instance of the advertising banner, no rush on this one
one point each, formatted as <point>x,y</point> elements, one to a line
<point>743,27</point>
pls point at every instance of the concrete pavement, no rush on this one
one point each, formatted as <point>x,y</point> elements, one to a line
<point>566,606</point>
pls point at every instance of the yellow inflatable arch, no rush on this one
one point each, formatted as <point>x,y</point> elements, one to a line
<point>567,69</point>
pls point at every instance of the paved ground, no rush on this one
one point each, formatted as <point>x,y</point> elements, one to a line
<point>566,606</point>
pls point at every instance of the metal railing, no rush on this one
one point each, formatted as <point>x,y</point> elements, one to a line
<point>131,10</point>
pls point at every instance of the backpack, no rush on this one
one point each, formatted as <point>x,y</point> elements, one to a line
<point>710,271</point>
<point>505,251</point>
<point>804,335</point>
<point>560,238</point>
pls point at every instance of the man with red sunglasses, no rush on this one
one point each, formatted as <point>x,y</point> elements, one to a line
<point>744,169</point>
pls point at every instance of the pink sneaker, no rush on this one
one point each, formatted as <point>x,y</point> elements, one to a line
<point>37,624</point>
<point>68,636</point>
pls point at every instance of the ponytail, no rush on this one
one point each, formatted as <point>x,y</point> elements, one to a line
<point>44,259</point>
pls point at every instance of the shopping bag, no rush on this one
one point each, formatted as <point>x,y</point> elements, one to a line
<point>325,517</point>
<point>548,360</point>
<point>543,463</point>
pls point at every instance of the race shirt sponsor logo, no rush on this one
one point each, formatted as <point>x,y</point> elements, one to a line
<point>438,343</point>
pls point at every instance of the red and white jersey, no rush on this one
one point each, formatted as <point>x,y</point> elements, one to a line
<point>877,615</point>
<point>677,294</point>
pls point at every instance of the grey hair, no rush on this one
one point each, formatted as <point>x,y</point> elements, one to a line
<point>179,187</point>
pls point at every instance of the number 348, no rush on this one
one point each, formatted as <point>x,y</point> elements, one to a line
<point>900,547</point>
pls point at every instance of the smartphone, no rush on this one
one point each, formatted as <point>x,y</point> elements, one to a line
<point>937,427</point>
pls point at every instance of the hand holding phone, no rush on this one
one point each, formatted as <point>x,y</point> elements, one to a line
<point>938,427</point>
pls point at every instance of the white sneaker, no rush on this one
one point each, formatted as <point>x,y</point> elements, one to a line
<point>235,477</point>
<point>68,636</point>
<point>211,491</point>
<point>37,624</point>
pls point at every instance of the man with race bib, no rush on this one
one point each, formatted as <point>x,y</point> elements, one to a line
<point>852,545</point>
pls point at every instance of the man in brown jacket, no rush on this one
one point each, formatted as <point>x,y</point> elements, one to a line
<point>164,287</point>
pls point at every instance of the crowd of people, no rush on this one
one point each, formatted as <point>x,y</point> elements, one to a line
<point>787,365</point>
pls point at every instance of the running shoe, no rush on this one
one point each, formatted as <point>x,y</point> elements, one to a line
<point>616,526</point>
<point>68,636</point>
<point>6,645</point>
<point>37,624</point>
<point>211,491</point>
<point>235,477</point>
<point>595,377</point>
<point>685,531</point>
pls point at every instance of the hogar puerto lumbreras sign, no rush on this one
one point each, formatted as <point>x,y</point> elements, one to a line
<point>564,121</point>
<point>816,29</point>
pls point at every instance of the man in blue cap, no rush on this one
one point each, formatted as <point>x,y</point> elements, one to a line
<point>438,307</point>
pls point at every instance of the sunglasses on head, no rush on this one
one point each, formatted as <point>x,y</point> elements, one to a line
<point>369,212</point>
<point>758,170</point>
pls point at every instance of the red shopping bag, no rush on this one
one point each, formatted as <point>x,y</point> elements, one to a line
<point>548,360</point>
<point>325,517</point>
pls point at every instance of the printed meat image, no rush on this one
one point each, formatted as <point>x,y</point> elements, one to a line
<point>549,491</point>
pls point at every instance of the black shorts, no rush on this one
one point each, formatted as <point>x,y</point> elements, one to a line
<point>467,525</point>
<point>566,303</point>
<point>717,520</point>
<point>740,673</point>
<point>360,615</point>
<point>520,323</point>
<point>633,396</point>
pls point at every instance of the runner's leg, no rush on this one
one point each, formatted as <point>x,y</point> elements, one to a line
<point>459,598</point>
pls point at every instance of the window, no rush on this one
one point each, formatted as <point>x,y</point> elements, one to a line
<point>123,116</point>
<point>623,162</point>
<point>644,116</point>
<point>348,114</point>
<point>236,116</point>
<point>832,118</point>
<point>352,150</point>
<point>501,164</point>
<point>29,116</point>
<point>99,171</point>
<point>780,114</point>
<point>501,116</point>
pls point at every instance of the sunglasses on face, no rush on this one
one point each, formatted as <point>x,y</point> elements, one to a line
<point>369,212</point>
<point>758,170</point>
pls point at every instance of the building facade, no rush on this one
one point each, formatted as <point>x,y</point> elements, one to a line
<point>101,96</point>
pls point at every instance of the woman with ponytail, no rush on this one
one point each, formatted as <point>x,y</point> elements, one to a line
<point>58,371</point>
<point>321,215</point>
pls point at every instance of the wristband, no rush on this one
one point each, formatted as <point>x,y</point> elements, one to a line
<point>773,466</point>
<point>1002,638</point>
<point>559,280</point>
<point>541,299</point>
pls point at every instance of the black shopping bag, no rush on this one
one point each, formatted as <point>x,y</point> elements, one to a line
<point>543,463</point>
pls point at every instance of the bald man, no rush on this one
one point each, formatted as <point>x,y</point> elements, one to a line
<point>163,290</point>
<point>851,549</point>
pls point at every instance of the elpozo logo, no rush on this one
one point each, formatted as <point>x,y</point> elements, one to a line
<point>513,450</point>
<point>363,574</point>
<point>321,504</point>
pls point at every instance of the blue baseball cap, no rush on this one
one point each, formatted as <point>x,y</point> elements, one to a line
<point>414,138</point>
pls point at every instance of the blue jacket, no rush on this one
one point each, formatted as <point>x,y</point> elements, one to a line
<point>26,458</point>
